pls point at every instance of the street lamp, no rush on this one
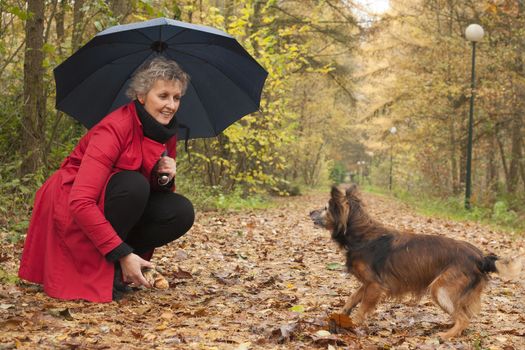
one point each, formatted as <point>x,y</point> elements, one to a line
<point>473,33</point>
<point>393,131</point>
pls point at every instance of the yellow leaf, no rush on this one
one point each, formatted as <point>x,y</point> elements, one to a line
<point>161,327</point>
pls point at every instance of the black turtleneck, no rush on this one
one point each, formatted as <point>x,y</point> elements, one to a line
<point>152,128</point>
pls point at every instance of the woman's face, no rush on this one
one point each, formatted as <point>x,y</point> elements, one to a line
<point>162,100</point>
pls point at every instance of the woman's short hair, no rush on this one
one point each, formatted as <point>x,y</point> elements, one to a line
<point>158,68</point>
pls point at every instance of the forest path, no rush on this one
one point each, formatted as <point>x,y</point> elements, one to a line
<point>262,279</point>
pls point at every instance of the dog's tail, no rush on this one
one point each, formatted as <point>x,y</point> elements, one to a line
<point>508,269</point>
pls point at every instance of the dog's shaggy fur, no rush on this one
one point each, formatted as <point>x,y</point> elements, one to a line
<point>390,263</point>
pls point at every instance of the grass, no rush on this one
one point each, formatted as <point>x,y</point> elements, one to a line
<point>206,198</point>
<point>8,278</point>
<point>498,217</point>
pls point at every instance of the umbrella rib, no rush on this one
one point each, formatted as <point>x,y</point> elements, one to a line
<point>174,35</point>
<point>208,118</point>
<point>205,61</point>
<point>144,35</point>
<point>148,38</point>
<point>218,69</point>
<point>95,71</point>
<point>120,88</point>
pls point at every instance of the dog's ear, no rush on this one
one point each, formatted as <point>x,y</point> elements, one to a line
<point>336,194</point>
<point>338,209</point>
<point>352,192</point>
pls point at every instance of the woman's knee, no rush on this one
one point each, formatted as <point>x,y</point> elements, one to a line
<point>129,183</point>
<point>186,215</point>
<point>173,209</point>
<point>128,186</point>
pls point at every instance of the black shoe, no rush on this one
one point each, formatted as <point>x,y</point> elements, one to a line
<point>119,287</point>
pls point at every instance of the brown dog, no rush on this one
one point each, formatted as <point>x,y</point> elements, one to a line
<point>390,263</point>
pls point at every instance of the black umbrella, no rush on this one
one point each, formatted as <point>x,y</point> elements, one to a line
<point>226,82</point>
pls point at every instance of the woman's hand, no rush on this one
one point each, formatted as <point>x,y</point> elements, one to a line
<point>132,265</point>
<point>167,165</point>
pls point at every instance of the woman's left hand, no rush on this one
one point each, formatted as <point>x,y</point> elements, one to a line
<point>167,165</point>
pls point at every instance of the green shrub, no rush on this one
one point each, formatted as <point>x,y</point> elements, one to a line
<point>454,208</point>
<point>285,188</point>
<point>337,173</point>
<point>502,214</point>
<point>206,197</point>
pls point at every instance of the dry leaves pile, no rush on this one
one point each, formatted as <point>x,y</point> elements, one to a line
<point>261,280</point>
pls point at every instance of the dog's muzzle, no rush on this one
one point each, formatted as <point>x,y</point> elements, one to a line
<point>317,217</point>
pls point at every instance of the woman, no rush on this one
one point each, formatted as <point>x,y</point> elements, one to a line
<point>98,218</point>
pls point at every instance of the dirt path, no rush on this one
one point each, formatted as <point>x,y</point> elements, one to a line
<point>260,280</point>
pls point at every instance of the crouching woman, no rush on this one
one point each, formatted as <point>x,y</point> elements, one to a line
<point>98,218</point>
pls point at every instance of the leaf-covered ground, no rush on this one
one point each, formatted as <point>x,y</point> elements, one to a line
<point>261,280</point>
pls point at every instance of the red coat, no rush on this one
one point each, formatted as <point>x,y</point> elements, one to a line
<point>69,236</point>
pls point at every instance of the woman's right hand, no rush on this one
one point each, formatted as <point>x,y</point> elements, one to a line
<point>167,165</point>
<point>132,265</point>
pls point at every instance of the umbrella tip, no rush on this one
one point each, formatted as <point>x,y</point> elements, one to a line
<point>159,46</point>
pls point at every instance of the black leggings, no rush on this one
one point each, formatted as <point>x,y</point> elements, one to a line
<point>142,219</point>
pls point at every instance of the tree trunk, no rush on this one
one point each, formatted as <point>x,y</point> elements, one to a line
<point>462,164</point>
<point>78,14</point>
<point>522,168</point>
<point>32,125</point>
<point>515,155</point>
<point>453,157</point>
<point>519,109</point>
<point>492,170</point>
<point>501,148</point>
<point>121,9</point>
<point>59,24</point>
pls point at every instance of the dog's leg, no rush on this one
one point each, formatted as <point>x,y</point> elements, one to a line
<point>461,321</point>
<point>371,295</point>
<point>459,297</point>
<point>353,300</point>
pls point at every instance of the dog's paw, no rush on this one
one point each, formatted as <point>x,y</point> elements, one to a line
<point>347,311</point>
<point>445,335</point>
<point>359,319</point>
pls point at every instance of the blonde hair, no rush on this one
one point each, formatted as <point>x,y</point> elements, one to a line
<point>158,68</point>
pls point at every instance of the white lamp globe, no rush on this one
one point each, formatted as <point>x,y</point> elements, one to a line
<point>474,32</point>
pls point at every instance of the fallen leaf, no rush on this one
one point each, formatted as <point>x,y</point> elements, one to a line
<point>149,337</point>
<point>223,278</point>
<point>337,322</point>
<point>181,274</point>
<point>61,313</point>
<point>161,326</point>
<point>167,315</point>
<point>326,338</point>
<point>297,308</point>
<point>284,333</point>
<point>322,333</point>
<point>335,267</point>
<point>11,323</point>
<point>244,346</point>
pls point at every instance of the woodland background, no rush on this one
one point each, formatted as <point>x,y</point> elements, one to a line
<point>339,79</point>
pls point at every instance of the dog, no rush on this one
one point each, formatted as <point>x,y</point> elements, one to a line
<point>392,264</point>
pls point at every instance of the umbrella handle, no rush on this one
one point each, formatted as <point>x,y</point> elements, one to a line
<point>163,179</point>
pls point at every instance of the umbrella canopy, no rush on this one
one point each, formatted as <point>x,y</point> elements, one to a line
<point>226,82</point>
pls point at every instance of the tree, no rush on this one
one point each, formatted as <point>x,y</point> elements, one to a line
<point>33,124</point>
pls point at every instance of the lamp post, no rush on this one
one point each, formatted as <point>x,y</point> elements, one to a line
<point>393,131</point>
<point>473,33</point>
